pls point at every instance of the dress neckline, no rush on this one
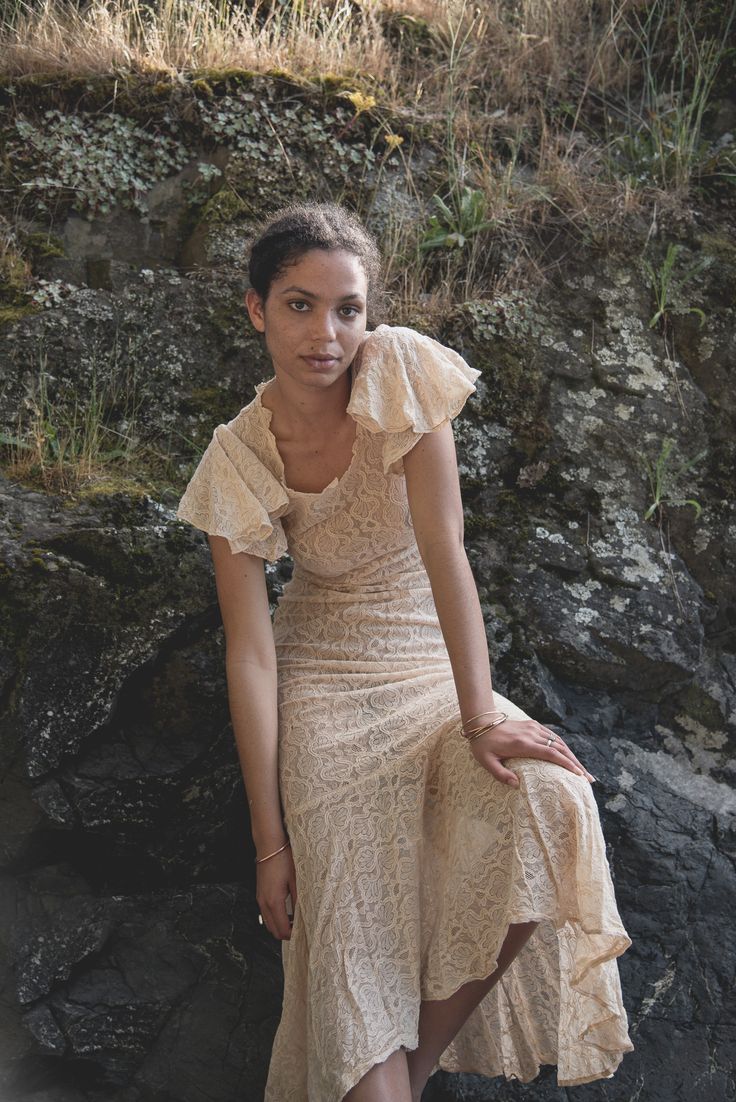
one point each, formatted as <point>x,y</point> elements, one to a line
<point>267,414</point>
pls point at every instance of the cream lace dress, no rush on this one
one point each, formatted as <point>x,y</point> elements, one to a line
<point>411,859</point>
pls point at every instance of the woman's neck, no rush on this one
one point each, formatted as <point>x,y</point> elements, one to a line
<point>299,417</point>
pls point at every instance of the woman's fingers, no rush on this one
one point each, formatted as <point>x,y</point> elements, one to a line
<point>527,745</point>
<point>496,768</point>
<point>276,895</point>
<point>563,748</point>
<point>566,762</point>
<point>277,920</point>
<point>523,739</point>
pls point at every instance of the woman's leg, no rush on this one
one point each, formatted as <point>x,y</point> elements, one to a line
<point>385,1082</point>
<point>440,1019</point>
<point>403,1076</point>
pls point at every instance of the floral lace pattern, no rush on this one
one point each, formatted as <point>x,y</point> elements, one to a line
<point>411,859</point>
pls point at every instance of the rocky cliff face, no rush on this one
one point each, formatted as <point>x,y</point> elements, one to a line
<point>134,968</point>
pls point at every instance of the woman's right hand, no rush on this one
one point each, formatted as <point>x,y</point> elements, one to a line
<point>275,880</point>
<point>522,738</point>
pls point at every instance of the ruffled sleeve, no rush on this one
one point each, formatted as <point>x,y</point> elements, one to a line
<point>407,384</point>
<point>232,494</point>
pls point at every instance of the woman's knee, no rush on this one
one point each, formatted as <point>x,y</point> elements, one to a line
<point>556,795</point>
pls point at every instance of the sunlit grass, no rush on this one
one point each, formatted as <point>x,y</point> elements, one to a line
<point>176,36</point>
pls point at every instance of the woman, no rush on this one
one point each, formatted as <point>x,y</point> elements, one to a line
<point>452,902</point>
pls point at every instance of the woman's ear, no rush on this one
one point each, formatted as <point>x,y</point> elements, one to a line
<point>254,304</point>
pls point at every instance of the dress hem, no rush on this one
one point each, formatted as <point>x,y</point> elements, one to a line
<point>619,943</point>
<point>383,1055</point>
<point>608,1074</point>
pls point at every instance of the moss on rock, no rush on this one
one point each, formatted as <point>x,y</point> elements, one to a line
<point>224,208</point>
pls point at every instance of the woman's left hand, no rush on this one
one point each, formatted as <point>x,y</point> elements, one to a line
<point>522,738</point>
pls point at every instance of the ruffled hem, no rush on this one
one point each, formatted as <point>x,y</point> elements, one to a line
<point>232,494</point>
<point>499,1039</point>
<point>592,1036</point>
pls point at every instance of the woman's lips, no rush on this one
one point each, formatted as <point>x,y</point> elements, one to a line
<point>314,362</point>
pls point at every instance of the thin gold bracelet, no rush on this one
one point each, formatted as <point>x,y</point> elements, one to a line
<point>488,713</point>
<point>477,734</point>
<point>502,715</point>
<point>487,727</point>
<point>259,859</point>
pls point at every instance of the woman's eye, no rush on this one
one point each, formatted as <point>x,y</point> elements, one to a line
<point>353,308</point>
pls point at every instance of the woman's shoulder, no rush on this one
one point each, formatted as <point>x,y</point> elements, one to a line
<point>413,343</point>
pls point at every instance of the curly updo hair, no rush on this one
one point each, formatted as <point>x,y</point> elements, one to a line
<point>300,226</point>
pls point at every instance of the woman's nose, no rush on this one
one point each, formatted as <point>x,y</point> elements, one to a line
<point>323,325</point>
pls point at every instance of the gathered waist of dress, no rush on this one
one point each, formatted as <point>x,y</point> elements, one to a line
<point>360,582</point>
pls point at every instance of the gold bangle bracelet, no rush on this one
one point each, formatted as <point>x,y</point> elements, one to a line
<point>472,738</point>
<point>492,723</point>
<point>490,711</point>
<point>260,859</point>
<point>487,727</point>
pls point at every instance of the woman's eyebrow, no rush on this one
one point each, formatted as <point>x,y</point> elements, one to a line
<point>310,294</point>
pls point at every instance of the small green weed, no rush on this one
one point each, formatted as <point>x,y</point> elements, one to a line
<point>663,281</point>
<point>662,479</point>
<point>451,229</point>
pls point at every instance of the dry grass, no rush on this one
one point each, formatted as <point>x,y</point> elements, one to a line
<point>504,58</point>
<point>185,35</point>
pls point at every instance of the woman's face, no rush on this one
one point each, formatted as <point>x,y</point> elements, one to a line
<point>315,308</point>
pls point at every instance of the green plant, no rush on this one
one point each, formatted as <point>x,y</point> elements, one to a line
<point>461,214</point>
<point>662,479</point>
<point>662,282</point>
<point>50,292</point>
<point>451,229</point>
<point>261,128</point>
<point>661,142</point>
<point>91,162</point>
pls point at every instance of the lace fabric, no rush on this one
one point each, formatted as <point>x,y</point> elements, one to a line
<point>232,494</point>
<point>411,859</point>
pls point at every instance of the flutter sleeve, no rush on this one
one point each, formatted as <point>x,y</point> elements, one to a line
<point>232,494</point>
<point>407,384</point>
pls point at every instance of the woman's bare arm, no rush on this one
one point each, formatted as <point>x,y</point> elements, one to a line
<point>435,503</point>
<point>433,490</point>
<point>250,664</point>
